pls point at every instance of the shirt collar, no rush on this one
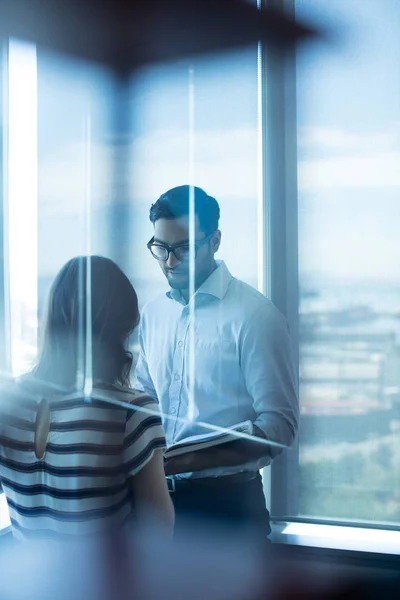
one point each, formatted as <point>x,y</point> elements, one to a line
<point>215,285</point>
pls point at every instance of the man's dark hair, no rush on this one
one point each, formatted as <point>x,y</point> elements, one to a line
<point>175,203</point>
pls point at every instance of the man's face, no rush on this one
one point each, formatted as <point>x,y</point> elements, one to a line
<point>177,272</point>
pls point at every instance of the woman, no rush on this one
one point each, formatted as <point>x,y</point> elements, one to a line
<point>81,452</point>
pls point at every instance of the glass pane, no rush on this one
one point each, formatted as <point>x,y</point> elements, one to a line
<point>213,352</point>
<point>59,179</point>
<point>75,152</point>
<point>349,209</point>
<point>197,121</point>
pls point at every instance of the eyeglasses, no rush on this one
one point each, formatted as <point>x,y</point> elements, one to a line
<point>181,251</point>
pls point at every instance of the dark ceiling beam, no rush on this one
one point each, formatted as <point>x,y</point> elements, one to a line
<point>125,34</point>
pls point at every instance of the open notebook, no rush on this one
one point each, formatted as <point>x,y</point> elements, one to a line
<point>208,440</point>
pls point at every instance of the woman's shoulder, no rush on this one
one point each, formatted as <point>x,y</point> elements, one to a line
<point>15,393</point>
<point>124,395</point>
<point>140,407</point>
<point>18,405</point>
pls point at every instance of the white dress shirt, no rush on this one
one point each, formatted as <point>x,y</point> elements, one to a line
<point>243,363</point>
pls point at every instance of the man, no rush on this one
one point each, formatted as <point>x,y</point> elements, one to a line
<point>243,367</point>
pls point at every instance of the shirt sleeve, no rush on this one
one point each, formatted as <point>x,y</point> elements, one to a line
<point>143,381</point>
<point>268,367</point>
<point>144,435</point>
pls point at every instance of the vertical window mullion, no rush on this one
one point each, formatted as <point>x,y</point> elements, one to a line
<point>5,362</point>
<point>280,225</point>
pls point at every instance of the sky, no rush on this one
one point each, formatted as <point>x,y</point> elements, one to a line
<point>348,147</point>
<point>225,152</point>
<point>349,141</point>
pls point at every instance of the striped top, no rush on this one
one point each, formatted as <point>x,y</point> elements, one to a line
<point>81,485</point>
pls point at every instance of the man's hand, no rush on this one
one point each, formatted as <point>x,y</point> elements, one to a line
<point>258,432</point>
<point>178,464</point>
<point>231,454</point>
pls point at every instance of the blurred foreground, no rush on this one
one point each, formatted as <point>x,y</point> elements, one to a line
<point>200,565</point>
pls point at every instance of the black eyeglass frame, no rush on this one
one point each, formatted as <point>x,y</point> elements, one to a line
<point>198,244</point>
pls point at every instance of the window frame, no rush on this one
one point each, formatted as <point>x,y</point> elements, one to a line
<point>280,224</point>
<point>5,346</point>
<point>5,355</point>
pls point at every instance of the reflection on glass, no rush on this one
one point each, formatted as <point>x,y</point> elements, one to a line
<point>349,185</point>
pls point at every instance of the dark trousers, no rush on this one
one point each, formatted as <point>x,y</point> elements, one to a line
<point>222,502</point>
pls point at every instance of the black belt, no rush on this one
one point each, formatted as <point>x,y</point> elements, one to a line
<point>175,485</point>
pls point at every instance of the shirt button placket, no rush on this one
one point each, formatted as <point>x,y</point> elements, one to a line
<point>178,369</point>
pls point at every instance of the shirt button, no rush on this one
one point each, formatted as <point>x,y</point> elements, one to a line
<point>180,344</point>
<point>173,411</point>
<point>177,376</point>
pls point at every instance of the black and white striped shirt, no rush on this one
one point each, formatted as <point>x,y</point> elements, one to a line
<point>82,483</point>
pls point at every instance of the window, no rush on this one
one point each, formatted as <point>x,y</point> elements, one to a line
<point>176,123</point>
<point>101,153</point>
<point>94,153</point>
<point>59,178</point>
<point>197,123</point>
<point>349,209</point>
